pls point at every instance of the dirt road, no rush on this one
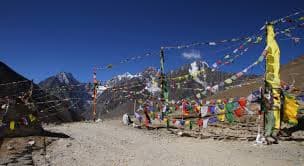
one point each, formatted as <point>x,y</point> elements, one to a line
<point>111,143</point>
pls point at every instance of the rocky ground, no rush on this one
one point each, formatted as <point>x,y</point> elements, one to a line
<point>19,151</point>
<point>111,143</point>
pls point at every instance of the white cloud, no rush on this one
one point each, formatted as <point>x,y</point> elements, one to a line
<point>193,54</point>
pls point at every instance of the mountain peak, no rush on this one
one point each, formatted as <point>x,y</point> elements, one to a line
<point>64,77</point>
<point>60,79</point>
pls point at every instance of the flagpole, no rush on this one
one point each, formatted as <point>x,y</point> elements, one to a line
<point>95,82</point>
<point>162,73</point>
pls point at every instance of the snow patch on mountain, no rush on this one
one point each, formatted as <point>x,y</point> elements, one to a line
<point>195,70</point>
<point>101,89</point>
<point>152,86</point>
<point>63,78</point>
<point>128,76</point>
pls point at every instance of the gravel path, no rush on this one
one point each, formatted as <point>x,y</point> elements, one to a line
<point>111,143</point>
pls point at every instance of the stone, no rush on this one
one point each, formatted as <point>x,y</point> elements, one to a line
<point>31,143</point>
<point>9,147</point>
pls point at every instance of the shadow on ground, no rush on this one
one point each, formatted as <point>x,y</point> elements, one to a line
<point>16,150</point>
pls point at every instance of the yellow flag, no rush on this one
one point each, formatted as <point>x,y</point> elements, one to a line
<point>221,114</point>
<point>12,125</point>
<point>272,59</point>
<point>290,110</point>
<point>273,73</point>
<point>32,117</point>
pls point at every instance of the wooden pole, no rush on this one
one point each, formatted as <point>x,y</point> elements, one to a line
<point>134,105</point>
<point>94,93</point>
<point>94,106</point>
<point>262,95</point>
<point>162,73</point>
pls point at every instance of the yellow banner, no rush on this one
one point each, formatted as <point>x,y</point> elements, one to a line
<point>12,125</point>
<point>272,59</point>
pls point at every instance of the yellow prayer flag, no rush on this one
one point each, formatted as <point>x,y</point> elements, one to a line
<point>32,117</point>
<point>272,59</point>
<point>290,110</point>
<point>12,125</point>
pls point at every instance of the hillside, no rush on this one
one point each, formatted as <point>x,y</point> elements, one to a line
<point>64,86</point>
<point>293,71</point>
<point>47,111</point>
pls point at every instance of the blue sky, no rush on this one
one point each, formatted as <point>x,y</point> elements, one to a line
<point>41,38</point>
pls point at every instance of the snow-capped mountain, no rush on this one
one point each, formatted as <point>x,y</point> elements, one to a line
<point>65,86</point>
<point>64,77</point>
<point>127,75</point>
<point>123,89</point>
<point>122,78</point>
<point>60,79</point>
